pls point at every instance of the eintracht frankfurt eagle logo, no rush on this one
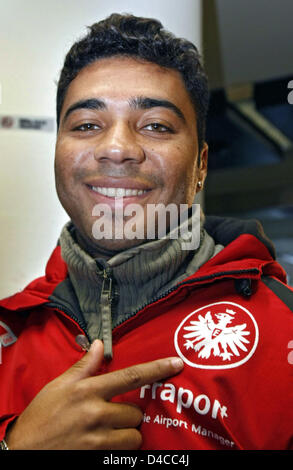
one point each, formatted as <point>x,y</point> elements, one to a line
<point>218,336</point>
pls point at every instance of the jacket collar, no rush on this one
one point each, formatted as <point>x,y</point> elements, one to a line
<point>246,249</point>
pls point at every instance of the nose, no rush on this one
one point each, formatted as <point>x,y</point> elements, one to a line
<point>119,144</point>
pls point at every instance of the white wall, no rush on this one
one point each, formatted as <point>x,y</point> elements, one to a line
<point>34,37</point>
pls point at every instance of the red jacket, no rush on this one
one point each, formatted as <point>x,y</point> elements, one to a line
<point>231,322</point>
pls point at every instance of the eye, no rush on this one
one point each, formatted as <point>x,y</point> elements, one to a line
<point>157,127</point>
<point>86,127</point>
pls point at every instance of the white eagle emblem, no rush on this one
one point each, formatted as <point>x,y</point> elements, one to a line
<point>209,337</point>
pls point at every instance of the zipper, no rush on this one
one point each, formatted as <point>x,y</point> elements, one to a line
<point>190,282</point>
<point>105,305</point>
<point>107,291</point>
<point>69,313</point>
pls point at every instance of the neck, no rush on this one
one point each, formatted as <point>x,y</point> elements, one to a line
<point>92,248</point>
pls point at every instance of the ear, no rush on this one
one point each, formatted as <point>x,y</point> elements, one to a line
<point>202,166</point>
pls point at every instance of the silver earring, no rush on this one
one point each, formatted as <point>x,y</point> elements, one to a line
<point>199,184</point>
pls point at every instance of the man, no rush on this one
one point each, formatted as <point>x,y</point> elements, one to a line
<point>187,346</point>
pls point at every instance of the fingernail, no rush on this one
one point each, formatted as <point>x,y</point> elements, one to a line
<point>177,363</point>
<point>83,342</point>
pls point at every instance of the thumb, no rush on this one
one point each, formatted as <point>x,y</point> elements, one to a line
<point>88,365</point>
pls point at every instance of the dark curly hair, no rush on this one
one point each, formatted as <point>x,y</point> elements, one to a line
<point>145,38</point>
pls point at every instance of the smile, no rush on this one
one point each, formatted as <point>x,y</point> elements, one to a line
<point>118,192</point>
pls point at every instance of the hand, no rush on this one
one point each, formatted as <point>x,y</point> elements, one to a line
<point>74,412</point>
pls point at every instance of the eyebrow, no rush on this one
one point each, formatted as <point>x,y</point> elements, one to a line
<point>140,102</point>
<point>91,103</point>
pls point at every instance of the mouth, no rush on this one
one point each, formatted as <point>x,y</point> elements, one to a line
<point>118,192</point>
<point>118,188</point>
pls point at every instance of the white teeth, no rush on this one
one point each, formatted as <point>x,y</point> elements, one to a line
<point>109,192</point>
<point>118,192</point>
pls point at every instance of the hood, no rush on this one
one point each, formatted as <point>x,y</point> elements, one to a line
<point>246,247</point>
<point>225,230</point>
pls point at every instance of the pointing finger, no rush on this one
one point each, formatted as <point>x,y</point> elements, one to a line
<point>130,378</point>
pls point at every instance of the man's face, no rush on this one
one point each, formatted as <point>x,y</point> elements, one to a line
<point>128,125</point>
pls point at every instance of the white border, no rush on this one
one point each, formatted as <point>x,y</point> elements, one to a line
<point>227,366</point>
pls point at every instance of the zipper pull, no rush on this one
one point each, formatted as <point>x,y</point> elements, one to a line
<point>107,285</point>
<point>106,312</point>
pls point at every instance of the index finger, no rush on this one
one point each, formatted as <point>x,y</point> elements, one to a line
<point>130,378</point>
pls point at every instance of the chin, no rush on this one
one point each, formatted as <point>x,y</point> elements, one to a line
<point>91,244</point>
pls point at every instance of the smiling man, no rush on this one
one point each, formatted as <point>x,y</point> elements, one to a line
<point>127,131</point>
<point>140,342</point>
